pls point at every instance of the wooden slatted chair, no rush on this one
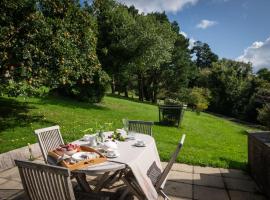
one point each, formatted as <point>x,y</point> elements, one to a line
<point>43,182</point>
<point>157,176</point>
<point>160,180</point>
<point>138,126</point>
<point>49,139</point>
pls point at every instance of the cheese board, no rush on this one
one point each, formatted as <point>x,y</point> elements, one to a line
<point>84,157</point>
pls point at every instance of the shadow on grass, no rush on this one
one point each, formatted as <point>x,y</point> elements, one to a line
<point>16,114</point>
<point>235,164</point>
<point>238,121</point>
<point>165,124</point>
<point>68,102</point>
<point>130,99</point>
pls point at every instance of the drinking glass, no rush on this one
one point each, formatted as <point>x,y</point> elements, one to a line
<point>125,124</point>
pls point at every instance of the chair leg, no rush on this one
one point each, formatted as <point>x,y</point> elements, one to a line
<point>162,193</point>
<point>124,194</point>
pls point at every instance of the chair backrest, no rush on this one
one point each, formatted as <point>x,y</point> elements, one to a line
<point>43,182</point>
<point>164,174</point>
<point>49,139</point>
<point>140,126</point>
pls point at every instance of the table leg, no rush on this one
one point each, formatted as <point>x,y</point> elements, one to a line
<point>101,181</point>
<point>81,180</point>
<point>131,186</point>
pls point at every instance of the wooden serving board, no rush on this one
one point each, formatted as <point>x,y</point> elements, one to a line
<point>81,164</point>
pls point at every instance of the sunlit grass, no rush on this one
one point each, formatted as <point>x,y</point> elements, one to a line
<point>210,140</point>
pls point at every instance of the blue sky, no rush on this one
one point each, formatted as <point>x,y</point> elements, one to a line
<point>235,29</point>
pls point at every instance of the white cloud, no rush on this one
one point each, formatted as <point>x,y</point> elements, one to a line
<point>191,40</point>
<point>159,5</point>
<point>204,24</point>
<point>191,43</point>
<point>258,54</point>
<point>184,34</point>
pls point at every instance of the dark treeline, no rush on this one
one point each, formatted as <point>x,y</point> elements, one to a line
<point>81,50</point>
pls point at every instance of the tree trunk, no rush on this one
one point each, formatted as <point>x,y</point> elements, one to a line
<point>126,91</point>
<point>155,89</point>
<point>140,86</point>
<point>113,85</point>
<point>154,99</point>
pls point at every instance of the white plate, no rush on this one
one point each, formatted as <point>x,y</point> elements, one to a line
<point>140,145</point>
<point>80,156</point>
<point>113,156</point>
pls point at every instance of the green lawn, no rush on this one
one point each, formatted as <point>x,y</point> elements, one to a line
<point>210,140</point>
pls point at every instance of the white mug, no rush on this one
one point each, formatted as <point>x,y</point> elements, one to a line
<point>111,152</point>
<point>140,142</point>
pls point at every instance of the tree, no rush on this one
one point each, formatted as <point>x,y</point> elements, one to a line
<point>50,43</point>
<point>264,115</point>
<point>204,55</point>
<point>177,73</point>
<point>229,82</point>
<point>259,98</point>
<point>152,43</point>
<point>264,74</point>
<point>115,24</point>
<point>24,33</point>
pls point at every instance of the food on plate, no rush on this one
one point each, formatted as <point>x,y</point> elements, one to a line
<point>85,156</point>
<point>69,149</point>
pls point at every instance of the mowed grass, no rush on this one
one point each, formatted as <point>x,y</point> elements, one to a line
<point>210,140</point>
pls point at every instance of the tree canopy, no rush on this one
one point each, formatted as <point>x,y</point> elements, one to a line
<point>78,50</point>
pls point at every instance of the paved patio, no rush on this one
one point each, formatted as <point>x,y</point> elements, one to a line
<point>184,182</point>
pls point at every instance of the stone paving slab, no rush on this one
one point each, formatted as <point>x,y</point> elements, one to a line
<point>207,170</point>
<point>207,180</point>
<point>177,189</point>
<point>208,193</point>
<point>184,182</point>
<point>234,173</point>
<point>238,195</point>
<point>242,185</point>
<point>183,167</point>
<point>182,177</point>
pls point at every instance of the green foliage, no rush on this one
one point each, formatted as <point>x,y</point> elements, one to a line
<point>199,99</point>
<point>259,98</point>
<point>137,50</point>
<point>115,24</point>
<point>177,74</point>
<point>264,74</point>
<point>204,55</point>
<point>264,115</point>
<point>50,43</point>
<point>169,101</point>
<point>229,83</point>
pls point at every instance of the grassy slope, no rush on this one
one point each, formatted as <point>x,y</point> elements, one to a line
<point>210,140</point>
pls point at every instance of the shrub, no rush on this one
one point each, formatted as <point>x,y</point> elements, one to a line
<point>170,101</point>
<point>264,115</point>
<point>199,98</point>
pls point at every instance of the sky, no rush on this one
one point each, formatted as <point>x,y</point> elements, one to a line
<point>234,29</point>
